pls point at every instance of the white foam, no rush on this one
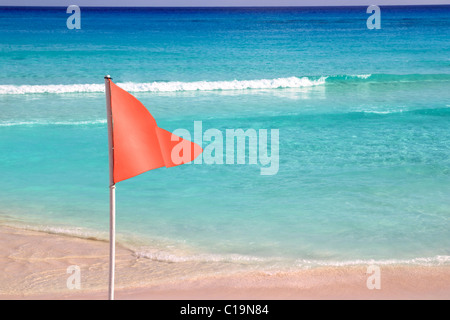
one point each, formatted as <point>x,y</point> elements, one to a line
<point>172,86</point>
<point>302,263</point>
<point>53,88</point>
<point>384,111</point>
<point>421,261</point>
<point>76,232</point>
<point>169,257</point>
<point>363,76</point>
<point>48,123</point>
<point>381,112</point>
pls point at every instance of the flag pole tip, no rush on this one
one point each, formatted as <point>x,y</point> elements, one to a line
<point>108,76</point>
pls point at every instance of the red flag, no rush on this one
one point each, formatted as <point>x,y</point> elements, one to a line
<point>139,145</point>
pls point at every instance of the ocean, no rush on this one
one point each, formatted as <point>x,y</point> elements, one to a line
<point>363,118</point>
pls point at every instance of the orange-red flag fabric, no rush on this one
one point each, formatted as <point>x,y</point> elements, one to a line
<point>139,145</point>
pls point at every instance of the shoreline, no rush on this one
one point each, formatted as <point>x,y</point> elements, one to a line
<point>35,266</point>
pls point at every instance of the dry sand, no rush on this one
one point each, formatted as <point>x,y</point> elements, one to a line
<point>34,266</point>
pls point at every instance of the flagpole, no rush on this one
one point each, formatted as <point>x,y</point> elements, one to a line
<point>112,192</point>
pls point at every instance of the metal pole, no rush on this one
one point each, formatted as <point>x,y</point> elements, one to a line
<point>112,192</point>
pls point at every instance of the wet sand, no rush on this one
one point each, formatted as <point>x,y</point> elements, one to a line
<point>34,266</point>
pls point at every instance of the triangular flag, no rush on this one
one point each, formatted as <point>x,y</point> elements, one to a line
<point>139,145</point>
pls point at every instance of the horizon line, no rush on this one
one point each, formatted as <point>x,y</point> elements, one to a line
<point>233,6</point>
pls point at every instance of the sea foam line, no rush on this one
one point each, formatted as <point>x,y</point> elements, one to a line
<point>171,86</point>
<point>439,260</point>
<point>165,256</point>
<point>162,256</point>
<point>179,86</point>
<point>51,123</point>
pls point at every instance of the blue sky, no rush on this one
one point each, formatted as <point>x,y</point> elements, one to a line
<point>204,3</point>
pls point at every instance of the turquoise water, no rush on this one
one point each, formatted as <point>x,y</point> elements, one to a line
<point>363,118</point>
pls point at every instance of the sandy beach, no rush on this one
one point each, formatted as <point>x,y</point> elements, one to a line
<point>34,266</point>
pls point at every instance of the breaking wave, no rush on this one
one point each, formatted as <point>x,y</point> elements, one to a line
<point>179,86</point>
<point>171,86</point>
<point>51,123</point>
